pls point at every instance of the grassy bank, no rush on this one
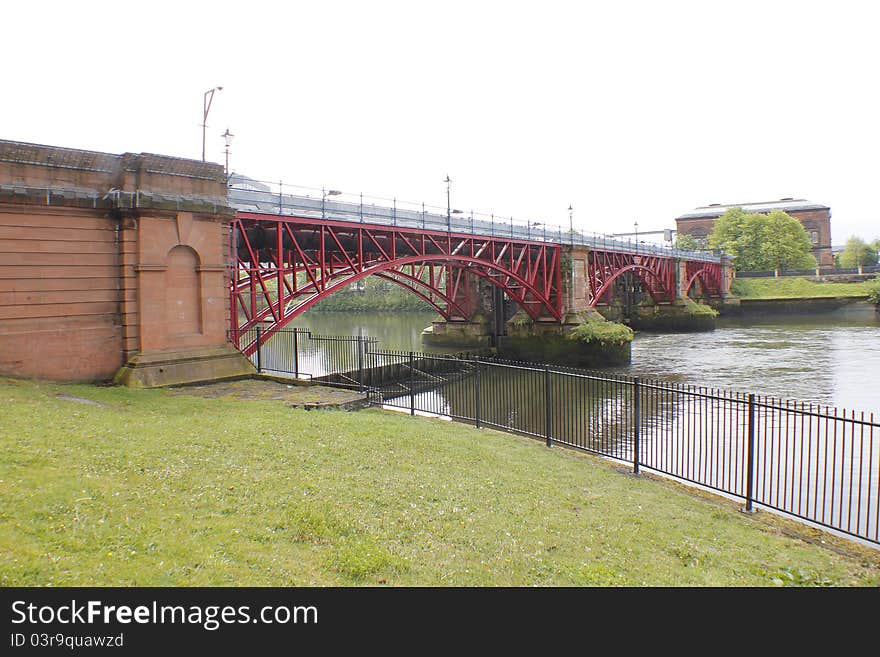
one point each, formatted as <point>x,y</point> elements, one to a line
<point>155,488</point>
<point>793,288</point>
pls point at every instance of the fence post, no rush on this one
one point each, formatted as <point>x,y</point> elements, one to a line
<point>477,399</point>
<point>637,421</point>
<point>372,360</point>
<point>296,353</point>
<point>259,350</point>
<point>360,357</point>
<point>412,385</point>
<point>547,405</point>
<point>750,472</point>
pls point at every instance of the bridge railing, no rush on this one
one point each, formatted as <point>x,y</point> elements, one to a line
<point>331,205</point>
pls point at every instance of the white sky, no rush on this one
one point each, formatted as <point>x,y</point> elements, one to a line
<point>629,111</point>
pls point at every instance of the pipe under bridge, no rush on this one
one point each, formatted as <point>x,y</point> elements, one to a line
<point>290,251</point>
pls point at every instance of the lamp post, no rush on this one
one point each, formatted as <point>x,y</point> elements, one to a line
<point>206,107</point>
<point>228,137</point>
<point>448,182</point>
<point>324,194</point>
<point>571,224</point>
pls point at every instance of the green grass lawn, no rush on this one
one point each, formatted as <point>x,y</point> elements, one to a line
<point>156,489</point>
<point>790,287</point>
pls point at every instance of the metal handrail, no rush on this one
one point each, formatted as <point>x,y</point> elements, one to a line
<point>245,197</point>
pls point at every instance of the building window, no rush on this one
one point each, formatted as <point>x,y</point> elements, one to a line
<point>814,236</point>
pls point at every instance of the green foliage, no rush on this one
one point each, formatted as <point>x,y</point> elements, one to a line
<point>686,242</point>
<point>761,242</point>
<point>856,253</point>
<point>785,243</point>
<point>520,319</point>
<point>378,295</point>
<point>605,333</point>
<point>727,232</point>
<point>699,309</point>
<point>874,291</point>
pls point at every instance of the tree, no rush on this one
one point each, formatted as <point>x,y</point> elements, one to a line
<point>856,253</point>
<point>686,242</point>
<point>727,230</point>
<point>785,243</point>
<point>760,242</point>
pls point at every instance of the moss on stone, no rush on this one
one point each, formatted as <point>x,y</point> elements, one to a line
<point>699,309</point>
<point>604,332</point>
<point>521,318</point>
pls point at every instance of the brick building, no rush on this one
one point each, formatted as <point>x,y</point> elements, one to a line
<point>815,218</point>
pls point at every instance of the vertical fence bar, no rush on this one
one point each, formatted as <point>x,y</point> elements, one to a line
<point>360,361</point>
<point>750,467</point>
<point>259,351</point>
<point>295,353</point>
<point>637,419</point>
<point>412,385</point>
<point>547,405</point>
<point>477,392</point>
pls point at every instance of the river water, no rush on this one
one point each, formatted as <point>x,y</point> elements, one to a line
<point>829,359</point>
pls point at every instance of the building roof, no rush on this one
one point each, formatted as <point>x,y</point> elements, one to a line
<point>784,204</point>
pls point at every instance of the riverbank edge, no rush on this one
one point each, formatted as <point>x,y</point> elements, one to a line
<point>746,307</point>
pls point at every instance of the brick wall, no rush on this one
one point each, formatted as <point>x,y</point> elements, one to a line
<point>59,294</point>
<point>84,272</point>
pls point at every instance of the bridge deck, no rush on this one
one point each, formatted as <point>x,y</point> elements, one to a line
<point>267,202</point>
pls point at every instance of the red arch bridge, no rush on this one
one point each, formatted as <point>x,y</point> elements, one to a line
<point>291,251</point>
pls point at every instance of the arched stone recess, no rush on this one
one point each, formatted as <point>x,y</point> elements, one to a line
<point>183,296</point>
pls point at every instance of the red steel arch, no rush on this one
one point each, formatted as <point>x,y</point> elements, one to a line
<point>284,265</point>
<point>656,272</point>
<point>709,275</point>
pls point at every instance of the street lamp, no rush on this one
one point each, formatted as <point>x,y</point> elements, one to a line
<point>228,137</point>
<point>571,224</point>
<point>324,194</point>
<point>206,107</point>
<point>448,182</point>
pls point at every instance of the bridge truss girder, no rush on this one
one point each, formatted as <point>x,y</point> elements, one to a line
<point>284,265</point>
<point>656,272</point>
<point>707,273</point>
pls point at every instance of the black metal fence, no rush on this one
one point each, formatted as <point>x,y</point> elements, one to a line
<point>816,271</point>
<point>299,353</point>
<point>811,462</point>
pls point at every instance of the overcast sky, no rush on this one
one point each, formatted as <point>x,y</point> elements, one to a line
<point>629,111</point>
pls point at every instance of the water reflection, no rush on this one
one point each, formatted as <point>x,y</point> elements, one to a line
<point>831,359</point>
